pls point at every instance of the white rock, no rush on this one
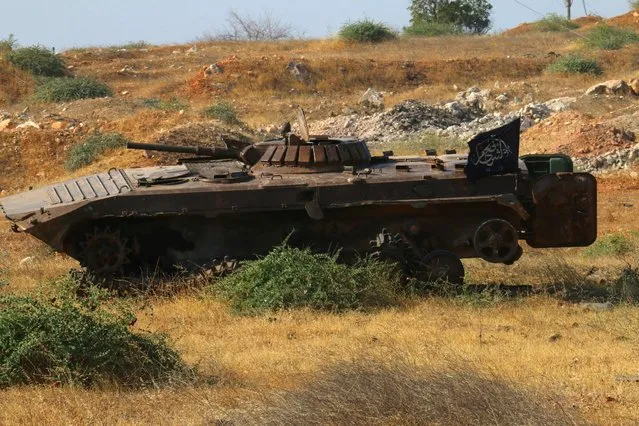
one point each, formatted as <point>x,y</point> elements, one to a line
<point>372,98</point>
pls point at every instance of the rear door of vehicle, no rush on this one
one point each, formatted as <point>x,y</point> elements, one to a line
<point>565,211</point>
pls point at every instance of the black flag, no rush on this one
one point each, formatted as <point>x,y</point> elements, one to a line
<point>495,152</point>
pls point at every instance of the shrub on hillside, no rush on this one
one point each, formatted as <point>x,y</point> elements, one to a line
<point>8,44</point>
<point>223,111</point>
<point>432,29</point>
<point>91,148</point>
<point>611,245</point>
<point>626,286</point>
<point>38,60</point>
<point>78,341</point>
<point>292,278</point>
<point>173,104</point>
<point>634,4</point>
<point>62,89</point>
<point>555,23</point>
<point>366,31</point>
<point>610,38</point>
<point>575,64</point>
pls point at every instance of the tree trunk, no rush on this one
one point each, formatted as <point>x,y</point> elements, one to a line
<point>568,7</point>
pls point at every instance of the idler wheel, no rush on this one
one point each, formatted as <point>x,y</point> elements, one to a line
<point>496,241</point>
<point>440,266</point>
<point>105,252</point>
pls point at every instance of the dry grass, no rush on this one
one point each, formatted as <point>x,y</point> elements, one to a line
<point>366,392</point>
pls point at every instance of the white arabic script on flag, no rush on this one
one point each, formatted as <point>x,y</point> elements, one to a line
<point>489,152</point>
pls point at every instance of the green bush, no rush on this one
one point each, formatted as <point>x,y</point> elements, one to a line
<point>610,38</point>
<point>555,23</point>
<point>223,111</point>
<point>173,104</point>
<point>132,45</point>
<point>575,64</point>
<point>291,278</point>
<point>611,245</point>
<point>38,60</point>
<point>366,31</point>
<point>62,89</point>
<point>626,286</point>
<point>78,341</point>
<point>8,44</point>
<point>91,148</point>
<point>634,4</point>
<point>432,29</point>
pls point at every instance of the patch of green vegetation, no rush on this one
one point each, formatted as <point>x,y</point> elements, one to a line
<point>366,31</point>
<point>555,23</point>
<point>8,44</point>
<point>82,341</point>
<point>63,89</point>
<point>173,104</point>
<point>294,278</point>
<point>91,148</point>
<point>418,144</point>
<point>132,45</point>
<point>611,245</point>
<point>634,4</point>
<point>38,60</point>
<point>575,64</point>
<point>223,111</point>
<point>626,286</point>
<point>610,38</point>
<point>432,29</point>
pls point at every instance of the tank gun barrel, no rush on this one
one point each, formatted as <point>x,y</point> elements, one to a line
<point>214,152</point>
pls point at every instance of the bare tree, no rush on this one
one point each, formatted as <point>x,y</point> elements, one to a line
<point>246,27</point>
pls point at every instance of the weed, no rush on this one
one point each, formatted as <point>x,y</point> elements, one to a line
<point>90,149</point>
<point>38,60</point>
<point>132,45</point>
<point>555,23</point>
<point>575,64</point>
<point>369,393</point>
<point>173,104</point>
<point>62,89</point>
<point>432,29</point>
<point>78,341</point>
<point>611,245</point>
<point>8,44</point>
<point>366,31</point>
<point>290,278</point>
<point>223,111</point>
<point>626,286</point>
<point>610,38</point>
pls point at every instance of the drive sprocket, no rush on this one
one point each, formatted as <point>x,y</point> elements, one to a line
<point>105,252</point>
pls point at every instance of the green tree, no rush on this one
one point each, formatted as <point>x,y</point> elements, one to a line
<point>471,16</point>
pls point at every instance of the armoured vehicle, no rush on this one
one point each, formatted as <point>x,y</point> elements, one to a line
<point>237,202</point>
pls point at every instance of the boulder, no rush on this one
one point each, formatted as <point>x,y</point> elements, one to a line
<point>58,125</point>
<point>29,125</point>
<point>299,71</point>
<point>634,86</point>
<point>6,124</point>
<point>560,104</point>
<point>611,87</point>
<point>213,69</point>
<point>597,89</point>
<point>617,87</point>
<point>372,98</point>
